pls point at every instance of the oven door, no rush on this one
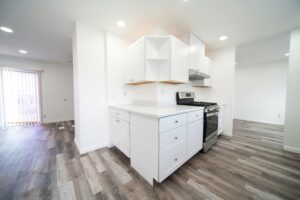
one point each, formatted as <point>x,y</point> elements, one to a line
<point>211,125</point>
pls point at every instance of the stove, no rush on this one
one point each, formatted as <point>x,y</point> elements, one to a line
<point>211,117</point>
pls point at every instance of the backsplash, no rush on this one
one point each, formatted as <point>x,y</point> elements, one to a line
<point>160,94</point>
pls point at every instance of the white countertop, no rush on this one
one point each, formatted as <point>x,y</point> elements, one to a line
<point>157,111</point>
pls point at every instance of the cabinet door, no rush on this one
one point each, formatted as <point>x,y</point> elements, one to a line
<point>179,61</point>
<point>197,49</point>
<point>195,137</point>
<point>136,62</point>
<point>113,130</point>
<point>123,134</point>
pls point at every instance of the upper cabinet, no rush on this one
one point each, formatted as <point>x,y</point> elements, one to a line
<point>199,64</point>
<point>157,59</point>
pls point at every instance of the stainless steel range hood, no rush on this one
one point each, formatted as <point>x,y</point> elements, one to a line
<point>195,75</point>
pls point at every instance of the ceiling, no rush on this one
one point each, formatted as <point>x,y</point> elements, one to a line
<point>268,50</point>
<point>44,28</point>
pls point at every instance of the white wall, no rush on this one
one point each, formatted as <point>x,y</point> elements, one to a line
<point>116,89</point>
<point>91,110</point>
<point>1,104</point>
<point>57,85</point>
<point>292,122</point>
<point>261,92</point>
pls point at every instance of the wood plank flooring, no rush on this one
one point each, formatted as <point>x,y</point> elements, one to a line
<point>42,162</point>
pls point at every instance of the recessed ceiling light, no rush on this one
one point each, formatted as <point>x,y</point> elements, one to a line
<point>5,29</point>
<point>185,0</point>
<point>23,51</point>
<point>121,23</point>
<point>222,38</point>
<point>287,54</point>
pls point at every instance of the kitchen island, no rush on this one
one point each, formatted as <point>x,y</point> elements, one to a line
<point>158,140</point>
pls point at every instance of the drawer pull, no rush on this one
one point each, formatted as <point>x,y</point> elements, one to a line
<point>176,121</point>
<point>175,138</point>
<point>175,159</point>
<point>197,115</point>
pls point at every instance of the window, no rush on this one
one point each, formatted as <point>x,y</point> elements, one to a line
<point>21,97</point>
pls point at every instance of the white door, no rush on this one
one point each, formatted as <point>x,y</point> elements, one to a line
<point>195,137</point>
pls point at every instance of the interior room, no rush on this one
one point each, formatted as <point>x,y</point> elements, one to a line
<point>140,99</point>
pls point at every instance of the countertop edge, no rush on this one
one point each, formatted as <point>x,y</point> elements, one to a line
<point>121,107</point>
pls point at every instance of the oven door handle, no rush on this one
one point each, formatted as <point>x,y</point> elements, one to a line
<point>212,114</point>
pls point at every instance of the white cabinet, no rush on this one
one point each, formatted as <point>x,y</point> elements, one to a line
<point>119,130</point>
<point>179,62</point>
<point>135,59</point>
<point>220,121</point>
<point>199,64</point>
<point>157,59</point>
<point>195,137</point>
<point>196,51</point>
<point>160,146</point>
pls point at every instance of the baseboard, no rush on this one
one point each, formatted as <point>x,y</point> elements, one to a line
<point>291,149</point>
<point>57,121</point>
<point>110,145</point>
<point>259,121</point>
<point>88,149</point>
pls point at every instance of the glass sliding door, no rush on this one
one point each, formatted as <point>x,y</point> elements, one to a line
<point>21,97</point>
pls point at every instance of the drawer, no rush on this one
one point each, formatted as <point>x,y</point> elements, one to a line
<point>171,122</point>
<point>124,115</point>
<point>170,162</point>
<point>195,115</point>
<point>172,140</point>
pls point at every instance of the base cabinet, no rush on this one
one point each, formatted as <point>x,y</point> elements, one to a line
<point>161,146</point>
<point>157,146</point>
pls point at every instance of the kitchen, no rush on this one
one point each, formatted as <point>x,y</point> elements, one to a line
<point>162,100</point>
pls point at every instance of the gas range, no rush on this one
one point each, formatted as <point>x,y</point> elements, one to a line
<point>187,98</point>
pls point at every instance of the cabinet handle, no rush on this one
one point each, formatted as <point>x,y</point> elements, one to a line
<point>176,121</point>
<point>197,115</point>
<point>175,159</point>
<point>175,138</point>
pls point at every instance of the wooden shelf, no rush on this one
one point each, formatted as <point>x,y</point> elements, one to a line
<point>140,82</point>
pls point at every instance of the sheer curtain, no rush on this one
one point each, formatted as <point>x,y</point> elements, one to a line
<point>20,97</point>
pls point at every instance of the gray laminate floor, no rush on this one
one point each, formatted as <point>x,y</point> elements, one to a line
<point>42,162</point>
